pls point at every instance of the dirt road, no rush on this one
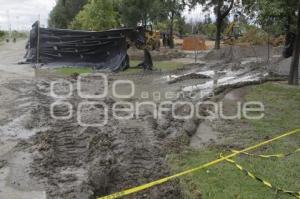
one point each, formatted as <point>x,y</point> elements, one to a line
<point>16,86</point>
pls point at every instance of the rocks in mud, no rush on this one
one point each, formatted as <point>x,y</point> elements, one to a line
<point>190,126</point>
<point>3,163</point>
<point>68,178</point>
<point>100,178</point>
<point>151,122</point>
<point>163,123</point>
<point>189,77</point>
<point>171,131</point>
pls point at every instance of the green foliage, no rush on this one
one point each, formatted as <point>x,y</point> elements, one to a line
<point>97,15</point>
<point>136,11</point>
<point>253,35</point>
<point>209,30</point>
<point>2,34</point>
<point>272,15</point>
<point>64,12</point>
<point>172,8</point>
<point>158,65</point>
<point>208,4</point>
<point>67,71</point>
<point>17,34</point>
<point>14,34</point>
<point>179,25</point>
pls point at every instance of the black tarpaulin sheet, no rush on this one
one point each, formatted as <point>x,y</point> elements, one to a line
<point>107,49</point>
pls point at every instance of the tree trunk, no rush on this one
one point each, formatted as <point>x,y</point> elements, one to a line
<point>220,17</point>
<point>219,26</point>
<point>218,34</point>
<point>171,31</point>
<point>287,28</point>
<point>294,69</point>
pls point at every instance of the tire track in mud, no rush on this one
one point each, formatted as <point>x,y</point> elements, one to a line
<point>17,101</point>
<point>77,162</point>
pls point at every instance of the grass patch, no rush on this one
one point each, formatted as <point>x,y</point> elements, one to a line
<point>72,70</point>
<point>282,108</point>
<point>158,65</point>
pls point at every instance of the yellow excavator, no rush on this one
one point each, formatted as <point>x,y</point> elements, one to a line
<point>232,32</point>
<point>152,38</point>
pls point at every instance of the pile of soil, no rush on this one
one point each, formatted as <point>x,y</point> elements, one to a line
<point>194,43</point>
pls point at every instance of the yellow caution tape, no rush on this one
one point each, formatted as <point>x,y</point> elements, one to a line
<point>270,156</point>
<point>214,162</point>
<point>264,182</point>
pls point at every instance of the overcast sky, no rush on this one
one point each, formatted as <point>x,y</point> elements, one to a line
<point>21,14</point>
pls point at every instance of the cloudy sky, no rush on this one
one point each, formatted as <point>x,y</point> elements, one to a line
<point>21,14</point>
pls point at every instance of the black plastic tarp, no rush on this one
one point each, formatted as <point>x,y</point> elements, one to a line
<point>107,49</point>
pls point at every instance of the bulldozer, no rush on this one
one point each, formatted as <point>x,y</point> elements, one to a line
<point>232,32</point>
<point>152,38</point>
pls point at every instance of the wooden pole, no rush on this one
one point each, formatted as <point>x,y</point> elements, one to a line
<point>294,69</point>
<point>38,43</point>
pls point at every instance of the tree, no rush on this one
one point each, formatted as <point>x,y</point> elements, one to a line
<point>274,15</point>
<point>173,8</point>
<point>222,9</point>
<point>222,13</point>
<point>280,11</point>
<point>2,34</point>
<point>97,15</point>
<point>294,69</point>
<point>180,25</point>
<point>207,19</point>
<point>133,12</point>
<point>64,12</point>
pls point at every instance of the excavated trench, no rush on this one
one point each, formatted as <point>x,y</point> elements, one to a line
<point>88,162</point>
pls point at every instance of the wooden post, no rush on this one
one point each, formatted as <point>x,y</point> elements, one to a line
<point>38,44</point>
<point>294,69</point>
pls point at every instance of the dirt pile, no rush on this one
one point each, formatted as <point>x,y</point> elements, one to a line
<point>194,43</point>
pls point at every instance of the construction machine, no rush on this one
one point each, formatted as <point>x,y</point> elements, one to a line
<point>232,32</point>
<point>152,38</point>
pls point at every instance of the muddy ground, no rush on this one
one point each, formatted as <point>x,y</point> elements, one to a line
<point>42,157</point>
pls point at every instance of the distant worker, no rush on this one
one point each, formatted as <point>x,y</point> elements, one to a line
<point>15,40</point>
<point>169,40</point>
<point>236,27</point>
<point>165,40</point>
